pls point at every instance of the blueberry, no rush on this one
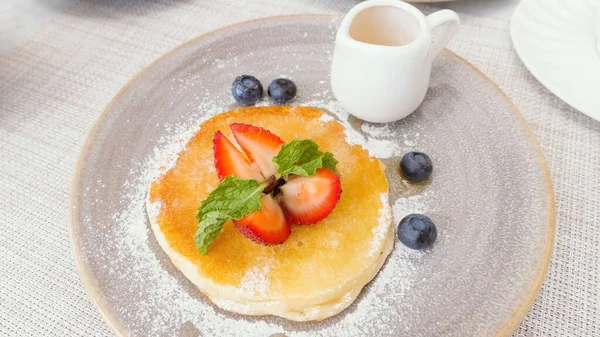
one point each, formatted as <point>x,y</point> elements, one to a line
<point>282,90</point>
<point>417,231</point>
<point>247,90</point>
<point>416,166</point>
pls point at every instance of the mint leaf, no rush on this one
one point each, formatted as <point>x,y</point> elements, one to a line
<point>302,157</point>
<point>234,198</point>
<point>329,162</point>
<point>208,230</point>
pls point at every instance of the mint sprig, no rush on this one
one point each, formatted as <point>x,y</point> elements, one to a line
<point>234,198</point>
<point>302,157</point>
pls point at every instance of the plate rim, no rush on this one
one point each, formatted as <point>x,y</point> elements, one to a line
<point>534,70</point>
<point>110,316</point>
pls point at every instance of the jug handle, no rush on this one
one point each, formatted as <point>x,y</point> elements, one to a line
<point>447,22</point>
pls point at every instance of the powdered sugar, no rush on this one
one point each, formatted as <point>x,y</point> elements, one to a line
<point>255,280</point>
<point>380,231</point>
<point>372,138</point>
<point>326,118</point>
<point>408,205</point>
<point>376,130</point>
<point>159,288</point>
<point>382,148</point>
<point>166,301</point>
<point>184,304</point>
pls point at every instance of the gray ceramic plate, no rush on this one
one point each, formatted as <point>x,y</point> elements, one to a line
<point>491,194</point>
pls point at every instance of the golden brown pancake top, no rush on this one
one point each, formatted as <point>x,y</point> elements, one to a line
<point>315,257</point>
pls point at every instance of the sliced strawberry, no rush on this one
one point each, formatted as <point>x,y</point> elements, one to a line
<point>308,200</point>
<point>229,160</point>
<point>267,225</point>
<point>260,145</point>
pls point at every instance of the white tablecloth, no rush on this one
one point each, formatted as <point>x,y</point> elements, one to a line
<point>54,86</point>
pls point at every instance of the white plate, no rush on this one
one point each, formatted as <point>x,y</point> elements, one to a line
<point>557,42</point>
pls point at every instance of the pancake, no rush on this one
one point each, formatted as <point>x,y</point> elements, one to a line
<point>321,268</point>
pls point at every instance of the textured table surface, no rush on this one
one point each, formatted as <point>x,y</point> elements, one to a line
<point>54,86</point>
<point>20,19</point>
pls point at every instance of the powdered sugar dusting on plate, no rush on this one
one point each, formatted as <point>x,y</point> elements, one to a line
<point>372,142</point>
<point>172,292</point>
<point>377,130</point>
<point>168,292</point>
<point>408,205</point>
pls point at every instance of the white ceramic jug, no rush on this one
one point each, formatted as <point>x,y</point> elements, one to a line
<point>382,58</point>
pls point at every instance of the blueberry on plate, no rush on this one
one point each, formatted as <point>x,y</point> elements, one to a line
<point>416,166</point>
<point>247,90</point>
<point>282,90</point>
<point>417,231</point>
